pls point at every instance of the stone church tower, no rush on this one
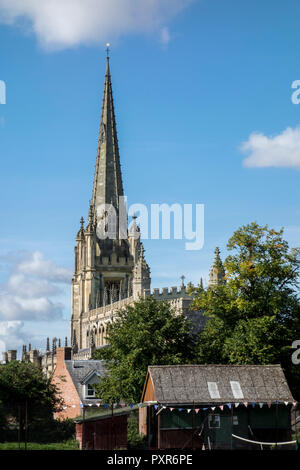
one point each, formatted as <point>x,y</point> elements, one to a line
<point>109,272</point>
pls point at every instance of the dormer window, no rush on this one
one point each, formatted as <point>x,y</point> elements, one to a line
<point>90,391</point>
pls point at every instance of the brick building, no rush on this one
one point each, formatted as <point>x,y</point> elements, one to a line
<point>75,380</point>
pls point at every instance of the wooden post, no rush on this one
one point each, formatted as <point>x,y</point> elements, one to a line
<point>83,428</point>
<point>26,423</point>
<point>193,424</point>
<point>19,430</point>
<point>158,430</point>
<point>276,417</point>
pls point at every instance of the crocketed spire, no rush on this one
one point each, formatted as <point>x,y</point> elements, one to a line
<point>108,184</point>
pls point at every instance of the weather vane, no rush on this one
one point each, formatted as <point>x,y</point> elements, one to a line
<point>107,49</point>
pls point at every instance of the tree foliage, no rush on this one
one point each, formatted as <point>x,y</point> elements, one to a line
<point>254,315</point>
<point>147,333</point>
<point>23,387</point>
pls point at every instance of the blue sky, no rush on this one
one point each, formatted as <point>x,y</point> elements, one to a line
<point>191,83</point>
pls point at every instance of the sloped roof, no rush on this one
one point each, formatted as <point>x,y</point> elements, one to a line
<point>219,383</point>
<point>79,370</point>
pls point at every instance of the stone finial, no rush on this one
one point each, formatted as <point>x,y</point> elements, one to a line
<point>182,281</point>
<point>217,271</point>
<point>66,342</point>
<point>48,345</point>
<point>59,343</point>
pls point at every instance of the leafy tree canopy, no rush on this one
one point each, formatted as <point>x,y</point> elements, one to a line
<point>22,382</point>
<point>254,315</point>
<point>147,333</point>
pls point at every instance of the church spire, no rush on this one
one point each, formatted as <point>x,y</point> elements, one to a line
<point>107,179</point>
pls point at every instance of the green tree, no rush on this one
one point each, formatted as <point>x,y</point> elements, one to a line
<point>147,333</point>
<point>26,392</point>
<point>254,316</point>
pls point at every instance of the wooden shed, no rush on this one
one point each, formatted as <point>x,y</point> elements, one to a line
<point>102,432</point>
<point>215,407</point>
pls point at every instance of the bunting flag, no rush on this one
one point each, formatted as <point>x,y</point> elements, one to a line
<point>188,410</point>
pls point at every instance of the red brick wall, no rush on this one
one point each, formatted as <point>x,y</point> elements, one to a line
<point>62,379</point>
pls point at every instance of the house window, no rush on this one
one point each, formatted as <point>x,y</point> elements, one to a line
<point>213,421</point>
<point>90,391</point>
<point>235,420</point>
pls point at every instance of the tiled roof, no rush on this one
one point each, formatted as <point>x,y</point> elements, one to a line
<point>219,383</point>
<point>79,370</point>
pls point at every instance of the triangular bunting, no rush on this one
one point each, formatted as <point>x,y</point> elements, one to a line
<point>261,405</point>
<point>294,403</point>
<point>196,410</point>
<point>236,405</point>
<point>213,408</point>
<point>286,403</point>
<point>156,407</point>
<point>246,403</point>
<point>253,404</point>
<point>221,407</point>
<point>269,404</point>
<point>189,410</point>
<point>171,409</point>
<point>229,405</point>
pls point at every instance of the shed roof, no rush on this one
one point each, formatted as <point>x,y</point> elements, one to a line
<point>218,383</point>
<point>79,370</point>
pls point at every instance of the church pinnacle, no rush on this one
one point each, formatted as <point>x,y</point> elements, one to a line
<point>108,184</point>
<point>217,272</point>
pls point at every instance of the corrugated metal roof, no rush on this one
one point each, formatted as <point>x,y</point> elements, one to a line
<point>189,383</point>
<point>79,370</point>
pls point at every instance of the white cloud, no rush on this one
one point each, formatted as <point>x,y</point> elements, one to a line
<point>36,265</point>
<point>31,290</point>
<point>65,23</point>
<point>165,36</point>
<point>12,335</point>
<point>282,150</point>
